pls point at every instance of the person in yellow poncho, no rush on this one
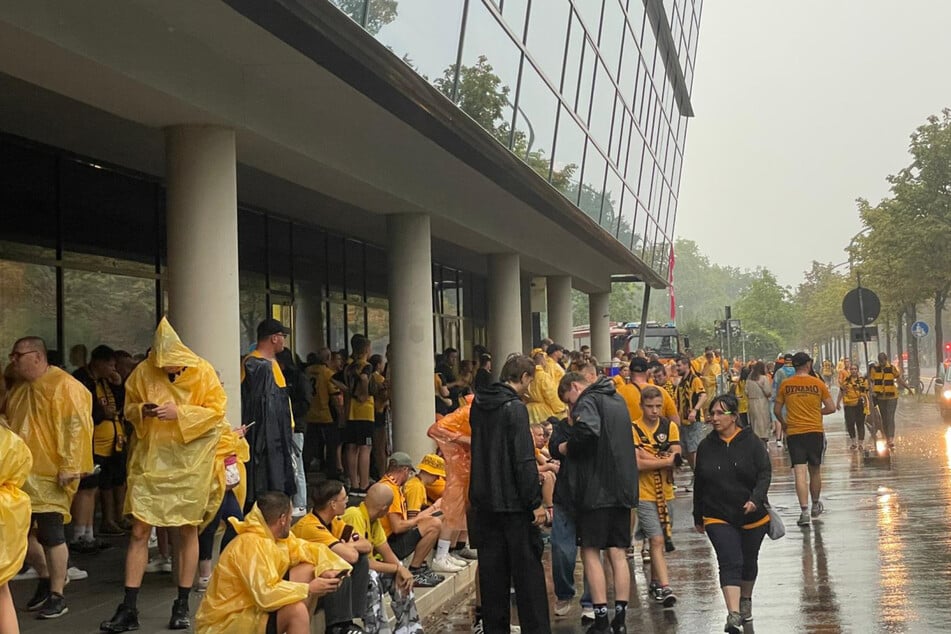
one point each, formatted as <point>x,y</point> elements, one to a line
<point>15,464</point>
<point>52,412</point>
<point>553,358</point>
<point>227,497</point>
<point>541,398</point>
<point>176,405</point>
<point>248,593</point>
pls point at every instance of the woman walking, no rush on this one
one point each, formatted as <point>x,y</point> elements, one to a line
<point>758,392</point>
<point>732,479</point>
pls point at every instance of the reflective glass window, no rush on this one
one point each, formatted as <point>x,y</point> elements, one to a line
<point>641,228</point>
<point>28,303</point>
<point>535,122</point>
<point>625,231</point>
<point>432,55</point>
<point>609,44</point>
<point>356,8</point>
<point>489,75</point>
<point>634,153</point>
<point>355,270</point>
<point>648,44</point>
<point>100,308</point>
<point>569,150</point>
<point>617,131</point>
<point>336,326</point>
<point>377,270</point>
<point>592,190</point>
<point>602,108</point>
<point>573,55</point>
<point>335,266</point>
<point>611,206</point>
<point>28,196</point>
<point>252,249</point>
<point>513,11</point>
<point>252,302</point>
<point>547,33</point>
<point>628,68</point>
<point>590,12</point>
<point>356,321</point>
<point>589,64</point>
<point>378,328</point>
<point>636,18</point>
<point>449,291</point>
<point>279,254</point>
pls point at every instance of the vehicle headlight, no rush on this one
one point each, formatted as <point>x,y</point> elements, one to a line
<point>947,395</point>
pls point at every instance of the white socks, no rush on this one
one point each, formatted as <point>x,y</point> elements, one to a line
<point>442,547</point>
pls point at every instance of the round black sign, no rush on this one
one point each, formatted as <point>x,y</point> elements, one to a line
<point>853,307</point>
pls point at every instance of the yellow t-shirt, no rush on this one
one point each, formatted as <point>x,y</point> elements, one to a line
<point>632,398</point>
<point>275,366</point>
<point>324,390</point>
<point>853,390</point>
<point>107,435</point>
<point>398,506</point>
<point>359,519</point>
<point>312,528</point>
<point>802,395</point>
<point>365,411</point>
<point>646,478</point>
<point>415,493</point>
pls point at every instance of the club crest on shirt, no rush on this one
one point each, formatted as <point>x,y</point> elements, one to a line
<point>661,438</point>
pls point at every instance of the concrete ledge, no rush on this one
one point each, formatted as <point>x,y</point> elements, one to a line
<point>428,600</point>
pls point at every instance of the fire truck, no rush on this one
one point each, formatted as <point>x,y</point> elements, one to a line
<point>662,339</point>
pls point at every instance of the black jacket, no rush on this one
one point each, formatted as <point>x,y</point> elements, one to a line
<point>504,476</point>
<point>602,462</point>
<point>559,434</point>
<point>729,476</point>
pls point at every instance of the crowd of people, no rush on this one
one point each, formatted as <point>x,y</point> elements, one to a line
<point>315,510</point>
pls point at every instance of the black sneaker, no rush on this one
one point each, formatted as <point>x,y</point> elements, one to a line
<point>54,607</point>
<point>124,620</point>
<point>599,629</point>
<point>734,623</point>
<point>180,619</point>
<point>746,609</point>
<point>39,598</point>
<point>617,624</point>
<point>426,578</point>
<point>665,596</point>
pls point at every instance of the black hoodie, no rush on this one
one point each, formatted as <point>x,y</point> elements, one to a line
<point>601,457</point>
<point>730,475</point>
<point>504,476</point>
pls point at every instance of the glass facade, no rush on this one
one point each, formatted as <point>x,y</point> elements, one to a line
<point>82,261</point>
<point>583,91</point>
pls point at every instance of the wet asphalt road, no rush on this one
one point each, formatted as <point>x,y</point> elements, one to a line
<point>878,560</point>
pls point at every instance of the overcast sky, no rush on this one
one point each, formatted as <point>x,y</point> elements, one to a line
<point>801,107</point>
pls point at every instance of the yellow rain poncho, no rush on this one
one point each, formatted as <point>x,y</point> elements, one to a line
<point>15,464</point>
<point>248,581</point>
<point>53,416</point>
<point>543,398</point>
<point>229,444</point>
<point>555,371</point>
<point>172,462</point>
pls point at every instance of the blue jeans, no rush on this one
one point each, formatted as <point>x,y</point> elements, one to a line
<point>564,553</point>
<point>300,498</point>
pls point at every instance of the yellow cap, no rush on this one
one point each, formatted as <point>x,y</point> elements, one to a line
<point>433,464</point>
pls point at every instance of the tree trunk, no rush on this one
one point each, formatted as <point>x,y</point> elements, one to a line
<point>899,340</point>
<point>888,337</point>
<point>914,367</point>
<point>940,297</point>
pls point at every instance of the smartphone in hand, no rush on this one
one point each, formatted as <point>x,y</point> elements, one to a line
<point>149,409</point>
<point>347,533</point>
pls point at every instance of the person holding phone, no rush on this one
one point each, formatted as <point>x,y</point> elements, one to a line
<point>324,526</point>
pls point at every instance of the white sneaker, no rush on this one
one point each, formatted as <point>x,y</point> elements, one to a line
<point>29,573</point>
<point>202,584</point>
<point>76,574</point>
<point>159,564</point>
<point>562,607</point>
<point>443,564</point>
<point>462,563</point>
<point>153,539</point>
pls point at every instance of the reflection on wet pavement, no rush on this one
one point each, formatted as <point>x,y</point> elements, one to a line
<point>878,560</point>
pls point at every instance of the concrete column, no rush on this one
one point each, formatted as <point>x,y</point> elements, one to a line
<point>599,320</point>
<point>505,308</point>
<point>309,334</point>
<point>409,255</point>
<point>202,230</point>
<point>559,310</point>
<point>526,288</point>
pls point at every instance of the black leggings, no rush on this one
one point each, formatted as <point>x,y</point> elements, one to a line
<point>855,421</point>
<point>206,540</point>
<point>737,551</point>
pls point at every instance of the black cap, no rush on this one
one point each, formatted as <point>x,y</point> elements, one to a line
<point>270,327</point>
<point>555,348</point>
<point>788,356</point>
<point>639,364</point>
<point>800,359</point>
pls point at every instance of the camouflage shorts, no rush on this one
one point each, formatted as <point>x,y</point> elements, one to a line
<point>403,605</point>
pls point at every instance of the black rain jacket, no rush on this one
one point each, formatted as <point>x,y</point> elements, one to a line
<point>728,476</point>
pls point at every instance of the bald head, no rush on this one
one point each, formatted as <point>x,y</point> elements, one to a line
<point>378,500</point>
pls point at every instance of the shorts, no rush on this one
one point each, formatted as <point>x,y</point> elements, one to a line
<point>379,422</point>
<point>358,432</point>
<point>808,448</point>
<point>604,528</point>
<point>271,623</point>
<point>404,543</point>
<point>113,472</point>
<point>648,520</point>
<point>48,528</point>
<point>691,435</point>
<point>90,481</point>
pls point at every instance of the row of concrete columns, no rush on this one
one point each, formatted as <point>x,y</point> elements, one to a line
<point>202,230</point>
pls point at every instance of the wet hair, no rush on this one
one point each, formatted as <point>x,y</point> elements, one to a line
<point>682,358</point>
<point>102,353</point>
<point>515,366</point>
<point>324,491</point>
<point>728,402</point>
<point>565,383</point>
<point>273,504</point>
<point>651,391</point>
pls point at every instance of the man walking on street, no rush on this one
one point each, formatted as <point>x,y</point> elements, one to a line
<point>806,400</point>
<point>691,397</point>
<point>885,379</point>
<point>603,484</point>
<point>506,503</point>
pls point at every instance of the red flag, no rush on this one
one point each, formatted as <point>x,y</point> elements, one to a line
<point>670,283</point>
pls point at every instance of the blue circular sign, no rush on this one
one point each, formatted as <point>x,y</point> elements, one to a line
<point>919,329</point>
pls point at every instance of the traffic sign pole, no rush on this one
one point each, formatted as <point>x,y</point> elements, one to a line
<point>858,280</point>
